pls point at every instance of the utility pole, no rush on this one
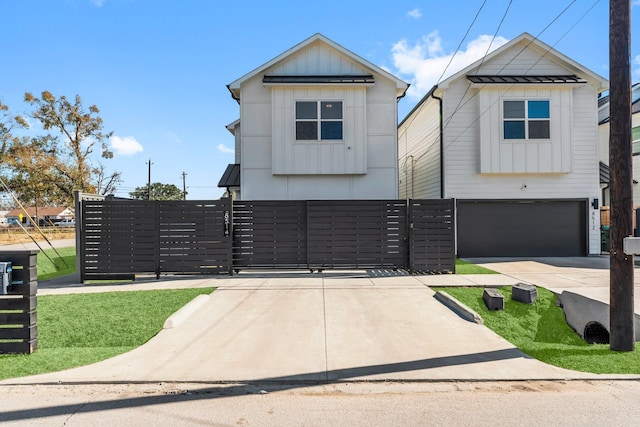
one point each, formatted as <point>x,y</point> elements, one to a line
<point>622,335</point>
<point>149,180</point>
<point>184,185</point>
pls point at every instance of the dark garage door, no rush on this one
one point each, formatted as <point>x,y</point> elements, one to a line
<point>521,228</point>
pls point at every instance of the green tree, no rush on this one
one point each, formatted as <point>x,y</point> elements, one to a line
<point>159,191</point>
<point>7,125</point>
<point>73,135</point>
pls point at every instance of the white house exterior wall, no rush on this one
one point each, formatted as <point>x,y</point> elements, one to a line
<point>462,162</point>
<point>274,167</point>
<point>419,153</point>
<point>564,169</point>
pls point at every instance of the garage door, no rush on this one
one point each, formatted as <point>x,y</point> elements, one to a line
<point>521,228</point>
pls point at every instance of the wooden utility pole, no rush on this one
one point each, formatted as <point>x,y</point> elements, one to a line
<point>184,185</point>
<point>622,336</point>
<point>149,181</point>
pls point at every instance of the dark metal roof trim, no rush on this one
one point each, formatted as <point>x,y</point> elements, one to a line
<point>328,79</point>
<point>545,79</point>
<point>230,177</point>
<point>605,174</point>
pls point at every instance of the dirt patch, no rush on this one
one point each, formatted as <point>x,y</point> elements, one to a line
<point>9,235</point>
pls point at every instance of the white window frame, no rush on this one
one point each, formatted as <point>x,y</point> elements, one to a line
<point>318,120</point>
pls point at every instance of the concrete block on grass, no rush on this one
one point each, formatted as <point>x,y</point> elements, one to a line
<point>524,293</point>
<point>493,299</point>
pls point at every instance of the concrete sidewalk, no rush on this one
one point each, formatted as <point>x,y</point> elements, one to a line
<point>301,327</point>
<point>587,276</point>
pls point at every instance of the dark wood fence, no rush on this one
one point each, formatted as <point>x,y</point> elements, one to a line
<point>358,234</point>
<point>120,238</point>
<point>18,319</point>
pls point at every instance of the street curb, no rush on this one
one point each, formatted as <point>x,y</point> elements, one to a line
<point>459,308</point>
<point>181,315</point>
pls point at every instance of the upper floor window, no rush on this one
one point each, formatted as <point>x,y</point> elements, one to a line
<point>318,120</point>
<point>526,119</point>
<point>635,140</point>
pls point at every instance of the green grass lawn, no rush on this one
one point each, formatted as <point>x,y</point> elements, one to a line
<point>540,330</point>
<point>464,267</point>
<point>65,263</point>
<point>76,330</point>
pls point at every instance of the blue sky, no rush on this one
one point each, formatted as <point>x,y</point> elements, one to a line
<point>158,69</point>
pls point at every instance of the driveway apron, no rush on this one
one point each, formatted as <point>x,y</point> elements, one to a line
<point>337,326</point>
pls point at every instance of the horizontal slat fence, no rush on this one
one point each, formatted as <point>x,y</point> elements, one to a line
<point>121,238</point>
<point>269,234</point>
<point>194,237</point>
<point>357,234</point>
<point>432,236</point>
<point>18,314</point>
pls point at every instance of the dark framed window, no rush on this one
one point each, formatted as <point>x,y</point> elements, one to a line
<point>635,140</point>
<point>526,119</point>
<point>319,120</point>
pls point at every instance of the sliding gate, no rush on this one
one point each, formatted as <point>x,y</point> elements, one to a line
<point>121,238</point>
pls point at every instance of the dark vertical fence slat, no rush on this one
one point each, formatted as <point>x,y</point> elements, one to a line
<point>432,236</point>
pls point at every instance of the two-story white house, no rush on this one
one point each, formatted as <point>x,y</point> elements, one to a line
<point>603,128</point>
<point>316,122</point>
<point>514,139</point>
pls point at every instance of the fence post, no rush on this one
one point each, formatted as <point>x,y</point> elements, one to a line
<point>155,205</point>
<point>410,233</point>
<point>77,197</point>
<point>229,231</point>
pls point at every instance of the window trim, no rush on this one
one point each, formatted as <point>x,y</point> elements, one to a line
<point>318,120</point>
<point>526,120</point>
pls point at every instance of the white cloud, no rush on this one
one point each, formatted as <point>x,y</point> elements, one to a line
<point>98,3</point>
<point>224,149</point>
<point>424,62</point>
<point>415,13</point>
<point>125,146</point>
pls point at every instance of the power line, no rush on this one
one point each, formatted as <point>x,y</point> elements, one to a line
<point>462,41</point>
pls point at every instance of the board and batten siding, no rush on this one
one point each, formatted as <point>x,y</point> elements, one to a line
<point>347,156</point>
<point>479,164</point>
<point>498,155</point>
<point>276,167</point>
<point>463,163</point>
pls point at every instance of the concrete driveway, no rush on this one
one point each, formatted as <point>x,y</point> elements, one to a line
<point>587,276</point>
<point>301,327</point>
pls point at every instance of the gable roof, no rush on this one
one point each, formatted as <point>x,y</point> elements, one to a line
<point>582,73</point>
<point>234,87</point>
<point>545,50</point>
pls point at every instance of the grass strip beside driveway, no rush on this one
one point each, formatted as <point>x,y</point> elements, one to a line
<point>76,330</point>
<point>540,330</point>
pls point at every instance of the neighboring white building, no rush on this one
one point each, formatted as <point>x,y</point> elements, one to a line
<point>316,122</point>
<point>514,139</point>
<point>603,129</point>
